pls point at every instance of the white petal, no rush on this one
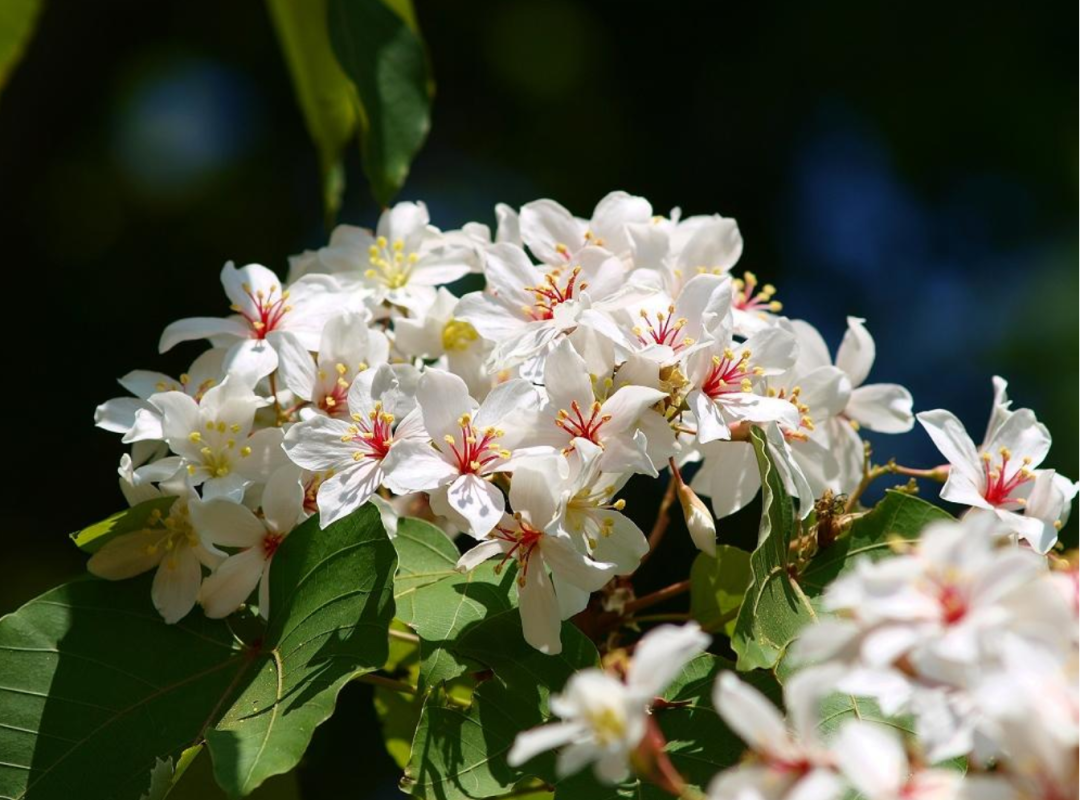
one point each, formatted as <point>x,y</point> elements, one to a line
<point>478,502</point>
<point>443,398</point>
<point>187,330</point>
<point>127,556</point>
<point>872,758</point>
<point>749,714</point>
<point>566,379</point>
<point>530,744</point>
<point>297,366</point>
<point>661,655</point>
<point>545,224</point>
<point>540,619</point>
<point>536,488</point>
<point>503,400</point>
<point>232,583</point>
<point>952,440</point>
<point>573,566</point>
<point>118,415</point>
<point>283,499</point>
<point>222,522</point>
<point>176,584</point>
<point>345,491</point>
<point>415,466</point>
<point>882,407</point>
<point>857,351</point>
<point>316,444</point>
<point>477,555</point>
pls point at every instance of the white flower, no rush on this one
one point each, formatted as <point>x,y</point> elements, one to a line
<point>171,544</point>
<point>1002,476</point>
<point>438,334</point>
<point>229,524</point>
<point>604,719</point>
<point>840,407</point>
<point>137,418</point>
<point>555,236</point>
<point>350,455</point>
<point>402,262</point>
<point>532,537</point>
<point>727,381</point>
<point>347,348</point>
<point>466,450</point>
<point>669,253</point>
<point>265,311</point>
<point>615,424</point>
<point>787,758</point>
<point>213,440</point>
<point>525,307</point>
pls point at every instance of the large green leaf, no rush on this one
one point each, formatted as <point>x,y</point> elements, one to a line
<point>460,752</point>
<point>132,519</point>
<point>95,686</point>
<point>326,96</point>
<point>440,603</point>
<point>379,48</point>
<point>775,607</point>
<point>717,586</point>
<point>17,21</point>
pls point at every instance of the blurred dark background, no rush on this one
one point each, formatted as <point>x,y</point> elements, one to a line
<point>913,165</point>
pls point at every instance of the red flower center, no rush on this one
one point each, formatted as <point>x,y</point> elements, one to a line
<point>999,483</point>
<point>575,423</point>
<point>549,294</point>
<point>475,451</point>
<point>267,312</point>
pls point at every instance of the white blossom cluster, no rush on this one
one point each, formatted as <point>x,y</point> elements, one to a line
<point>599,349</point>
<point>972,637</point>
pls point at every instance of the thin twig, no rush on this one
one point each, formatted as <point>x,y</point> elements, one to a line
<point>663,517</point>
<point>403,636</point>
<point>387,683</point>
<point>650,600</point>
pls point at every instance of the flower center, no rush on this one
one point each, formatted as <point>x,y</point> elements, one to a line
<point>476,450</point>
<point>218,449</point>
<point>582,513</point>
<point>729,374</point>
<point>270,543</point>
<point>175,531</point>
<point>372,434</point>
<point>265,311</point>
<point>747,297</point>
<point>575,423</point>
<point>953,604</point>
<point>999,483</point>
<point>390,264</point>
<point>524,538</point>
<point>458,335</point>
<point>607,723</point>
<point>664,329</point>
<point>334,400</point>
<point>550,294</point>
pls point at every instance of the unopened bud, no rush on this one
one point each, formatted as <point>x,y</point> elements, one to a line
<point>699,520</point>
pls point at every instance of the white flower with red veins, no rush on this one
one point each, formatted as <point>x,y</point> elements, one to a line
<point>213,442</point>
<point>665,330</point>
<point>632,436</point>
<point>556,237</point>
<point>349,456</point>
<point>526,307</point>
<point>265,311</point>
<point>401,263</point>
<point>728,381</point>
<point>532,538</point>
<point>347,348</point>
<point>1002,477</point>
<point>228,524</point>
<point>466,450</point>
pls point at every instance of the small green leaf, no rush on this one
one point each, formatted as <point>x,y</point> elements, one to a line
<point>18,18</point>
<point>717,586</point>
<point>380,49</point>
<point>326,96</point>
<point>96,686</point>
<point>775,607</point>
<point>425,555</point>
<point>93,538</point>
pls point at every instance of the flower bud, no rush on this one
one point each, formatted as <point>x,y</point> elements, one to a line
<point>699,520</point>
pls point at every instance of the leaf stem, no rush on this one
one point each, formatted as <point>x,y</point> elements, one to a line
<point>387,683</point>
<point>404,636</point>
<point>721,621</point>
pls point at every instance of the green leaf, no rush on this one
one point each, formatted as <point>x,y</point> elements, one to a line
<point>18,19</point>
<point>326,96</point>
<point>717,586</point>
<point>899,515</point>
<point>93,538</point>
<point>425,555</point>
<point>380,49</point>
<point>440,603</point>
<point>775,607</point>
<point>460,752</point>
<point>96,686</point>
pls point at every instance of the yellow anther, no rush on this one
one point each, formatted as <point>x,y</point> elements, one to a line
<point>245,452</point>
<point>619,504</point>
<point>449,439</point>
<point>195,437</point>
